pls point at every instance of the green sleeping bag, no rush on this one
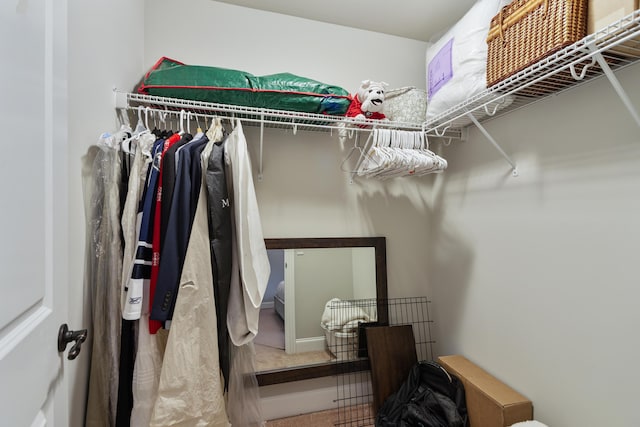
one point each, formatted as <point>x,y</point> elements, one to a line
<point>283,91</point>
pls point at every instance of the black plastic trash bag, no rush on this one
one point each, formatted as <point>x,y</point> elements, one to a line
<point>430,397</point>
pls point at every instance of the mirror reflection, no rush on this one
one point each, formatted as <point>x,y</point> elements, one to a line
<point>305,275</point>
<point>302,283</point>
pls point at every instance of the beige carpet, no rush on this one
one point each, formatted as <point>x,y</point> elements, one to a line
<point>269,344</point>
<point>315,419</point>
<point>360,416</point>
<point>270,330</point>
<point>268,358</point>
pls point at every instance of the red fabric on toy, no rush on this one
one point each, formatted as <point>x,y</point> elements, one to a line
<point>355,108</point>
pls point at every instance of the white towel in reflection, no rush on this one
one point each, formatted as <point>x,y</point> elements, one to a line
<point>343,315</point>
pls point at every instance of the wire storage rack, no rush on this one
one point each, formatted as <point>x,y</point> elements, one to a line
<point>263,117</point>
<point>598,54</point>
<point>270,118</point>
<point>611,48</point>
<point>346,340</point>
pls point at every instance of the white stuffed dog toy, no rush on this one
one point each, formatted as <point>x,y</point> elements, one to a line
<point>368,102</point>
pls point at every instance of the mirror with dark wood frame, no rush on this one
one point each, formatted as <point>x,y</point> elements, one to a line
<point>327,368</point>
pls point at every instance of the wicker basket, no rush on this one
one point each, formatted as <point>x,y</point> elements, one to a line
<point>526,31</point>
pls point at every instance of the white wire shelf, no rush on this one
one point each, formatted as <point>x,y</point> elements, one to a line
<point>269,118</point>
<point>262,117</point>
<point>618,45</point>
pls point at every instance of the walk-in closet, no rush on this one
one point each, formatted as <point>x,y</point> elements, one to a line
<point>504,227</point>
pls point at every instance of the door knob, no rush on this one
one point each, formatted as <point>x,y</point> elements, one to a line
<point>65,336</point>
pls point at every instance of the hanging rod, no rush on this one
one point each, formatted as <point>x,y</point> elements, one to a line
<point>263,117</point>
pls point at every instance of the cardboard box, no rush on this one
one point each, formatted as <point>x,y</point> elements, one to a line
<point>490,403</point>
<point>601,13</point>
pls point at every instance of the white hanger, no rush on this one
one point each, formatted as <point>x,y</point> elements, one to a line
<point>146,117</point>
<point>182,116</point>
<point>163,119</point>
<point>355,148</point>
<point>199,129</point>
<point>125,144</point>
<point>155,115</point>
<point>199,132</point>
<point>395,153</point>
<point>375,158</point>
<point>140,125</point>
<point>140,129</point>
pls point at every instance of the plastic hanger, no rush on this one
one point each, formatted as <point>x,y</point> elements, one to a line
<point>140,126</point>
<point>199,132</point>
<point>198,129</point>
<point>126,143</point>
<point>146,118</point>
<point>355,148</point>
<point>376,158</point>
<point>156,131</point>
<point>163,120</point>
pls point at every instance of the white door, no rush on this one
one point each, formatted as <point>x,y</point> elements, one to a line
<point>33,211</point>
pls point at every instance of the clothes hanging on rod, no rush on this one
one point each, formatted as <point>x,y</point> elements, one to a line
<point>220,235</point>
<point>181,215</point>
<point>103,269</point>
<point>190,388</point>
<point>139,146</point>
<point>253,267</point>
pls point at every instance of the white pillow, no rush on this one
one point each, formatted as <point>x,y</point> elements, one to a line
<point>467,61</point>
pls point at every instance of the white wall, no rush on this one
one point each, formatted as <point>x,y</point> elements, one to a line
<point>304,193</point>
<point>535,278</point>
<point>276,261</point>
<point>218,34</point>
<point>105,50</point>
<point>320,275</point>
<point>364,273</point>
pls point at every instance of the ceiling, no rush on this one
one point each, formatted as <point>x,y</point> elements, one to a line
<point>414,19</point>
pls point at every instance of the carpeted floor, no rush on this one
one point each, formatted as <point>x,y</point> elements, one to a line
<point>269,344</point>
<point>271,330</point>
<point>316,419</point>
<point>268,358</point>
<point>360,415</point>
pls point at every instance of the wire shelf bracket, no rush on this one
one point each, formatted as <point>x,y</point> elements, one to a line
<point>617,86</point>
<point>514,168</point>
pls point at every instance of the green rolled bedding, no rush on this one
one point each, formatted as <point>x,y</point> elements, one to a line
<point>282,91</point>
